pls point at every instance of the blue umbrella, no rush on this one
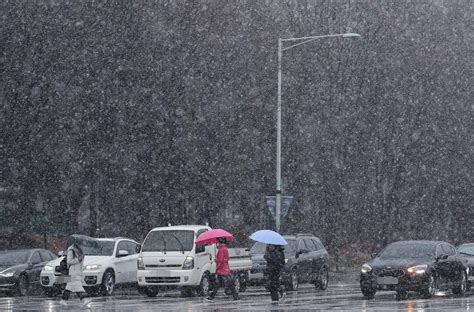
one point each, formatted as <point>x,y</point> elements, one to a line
<point>268,237</point>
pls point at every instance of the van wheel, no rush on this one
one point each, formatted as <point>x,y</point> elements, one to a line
<point>205,285</point>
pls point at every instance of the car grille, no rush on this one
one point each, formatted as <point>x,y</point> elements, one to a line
<point>390,272</point>
<point>155,266</point>
<point>159,280</point>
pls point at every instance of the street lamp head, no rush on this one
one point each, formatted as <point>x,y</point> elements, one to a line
<point>350,35</point>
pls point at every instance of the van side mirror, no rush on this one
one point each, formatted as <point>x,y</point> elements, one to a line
<point>138,248</point>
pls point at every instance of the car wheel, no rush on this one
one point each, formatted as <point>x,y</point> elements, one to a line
<point>293,283</point>
<point>22,286</point>
<point>430,288</point>
<point>204,286</point>
<point>108,283</point>
<point>323,279</point>
<point>461,289</point>
<point>368,293</point>
<point>49,292</point>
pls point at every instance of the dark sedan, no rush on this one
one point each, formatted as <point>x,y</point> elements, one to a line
<point>20,269</point>
<point>306,260</point>
<point>467,251</point>
<point>421,266</point>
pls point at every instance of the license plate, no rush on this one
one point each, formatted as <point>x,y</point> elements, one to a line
<point>387,280</point>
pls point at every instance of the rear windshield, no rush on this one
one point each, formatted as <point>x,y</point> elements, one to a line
<point>409,250</point>
<point>169,240</point>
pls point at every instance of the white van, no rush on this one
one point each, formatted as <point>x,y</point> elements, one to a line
<point>170,258</point>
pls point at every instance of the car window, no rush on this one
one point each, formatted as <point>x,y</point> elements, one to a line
<point>131,247</point>
<point>319,244</point>
<point>310,244</point>
<point>45,256</point>
<point>449,250</point>
<point>35,258</point>
<point>302,245</point>
<point>439,251</point>
<point>122,245</point>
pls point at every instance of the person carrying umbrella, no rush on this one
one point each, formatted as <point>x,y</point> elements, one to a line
<point>224,276</point>
<point>275,261</point>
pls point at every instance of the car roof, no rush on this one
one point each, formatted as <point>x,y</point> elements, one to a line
<point>181,227</point>
<point>22,250</point>
<point>424,242</point>
<point>295,236</point>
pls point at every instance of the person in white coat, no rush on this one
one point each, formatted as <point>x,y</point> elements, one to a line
<point>74,259</point>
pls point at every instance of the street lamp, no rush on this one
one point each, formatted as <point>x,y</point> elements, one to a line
<point>301,40</point>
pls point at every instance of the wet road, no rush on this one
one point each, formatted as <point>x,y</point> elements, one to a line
<point>340,297</point>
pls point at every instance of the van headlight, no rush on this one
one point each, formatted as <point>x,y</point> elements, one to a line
<point>48,268</point>
<point>92,267</point>
<point>140,264</point>
<point>366,269</point>
<point>417,270</point>
<point>188,263</point>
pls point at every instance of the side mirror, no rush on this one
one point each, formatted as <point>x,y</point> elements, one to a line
<point>122,253</point>
<point>373,255</point>
<point>61,253</point>
<point>441,257</point>
<point>138,248</point>
<point>30,265</point>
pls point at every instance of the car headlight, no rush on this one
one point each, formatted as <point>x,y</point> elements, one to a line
<point>188,263</point>
<point>419,269</point>
<point>366,269</point>
<point>92,267</point>
<point>140,264</point>
<point>48,268</point>
<point>7,274</point>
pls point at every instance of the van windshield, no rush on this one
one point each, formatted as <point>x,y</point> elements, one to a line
<point>169,240</point>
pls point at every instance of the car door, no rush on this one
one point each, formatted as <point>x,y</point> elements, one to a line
<point>122,263</point>
<point>205,255</point>
<point>131,269</point>
<point>455,265</point>
<point>303,260</point>
<point>34,268</point>
<point>319,258</point>
<point>442,266</point>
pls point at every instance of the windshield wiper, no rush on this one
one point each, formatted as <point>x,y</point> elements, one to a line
<point>179,242</point>
<point>466,253</point>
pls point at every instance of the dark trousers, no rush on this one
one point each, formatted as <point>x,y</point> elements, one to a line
<point>274,283</point>
<point>225,281</point>
<point>67,294</point>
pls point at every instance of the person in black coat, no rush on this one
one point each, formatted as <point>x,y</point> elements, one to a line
<point>275,261</point>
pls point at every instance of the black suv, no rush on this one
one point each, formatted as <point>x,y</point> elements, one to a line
<point>306,261</point>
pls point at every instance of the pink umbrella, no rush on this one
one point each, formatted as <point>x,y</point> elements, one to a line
<point>210,237</point>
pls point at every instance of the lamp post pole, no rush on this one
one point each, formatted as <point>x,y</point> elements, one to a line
<point>301,40</point>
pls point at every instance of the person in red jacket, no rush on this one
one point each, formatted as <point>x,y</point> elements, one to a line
<point>224,276</point>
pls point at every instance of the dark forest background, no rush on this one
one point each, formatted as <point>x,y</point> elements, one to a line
<point>120,116</point>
